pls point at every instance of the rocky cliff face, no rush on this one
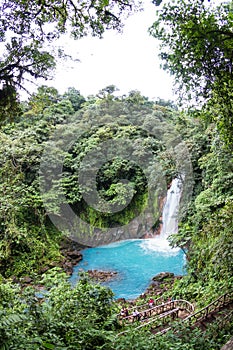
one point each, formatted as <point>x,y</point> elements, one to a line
<point>137,228</point>
<point>147,224</point>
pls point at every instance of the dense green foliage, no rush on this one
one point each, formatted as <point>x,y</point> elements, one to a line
<point>29,241</point>
<point>25,227</point>
<point>196,42</point>
<point>29,28</point>
<point>67,319</point>
<point>82,317</point>
<point>196,47</point>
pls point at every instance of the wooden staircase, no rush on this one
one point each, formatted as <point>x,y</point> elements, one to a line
<point>219,310</point>
<point>160,314</point>
<point>159,318</point>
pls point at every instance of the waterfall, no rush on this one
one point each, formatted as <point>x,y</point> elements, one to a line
<point>171,209</point>
<point>169,221</point>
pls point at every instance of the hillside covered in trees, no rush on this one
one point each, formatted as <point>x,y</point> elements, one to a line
<point>45,142</point>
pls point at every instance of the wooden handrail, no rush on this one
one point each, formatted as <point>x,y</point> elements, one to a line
<point>176,305</point>
<point>182,304</point>
<point>153,319</point>
<point>225,319</point>
<point>221,301</point>
<point>144,306</point>
<point>155,311</point>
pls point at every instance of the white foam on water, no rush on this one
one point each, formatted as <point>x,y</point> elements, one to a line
<point>160,245</point>
<point>170,222</point>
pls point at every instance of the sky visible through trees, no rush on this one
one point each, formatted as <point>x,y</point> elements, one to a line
<point>129,60</point>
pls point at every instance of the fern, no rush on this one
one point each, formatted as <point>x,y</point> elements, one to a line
<point>9,320</point>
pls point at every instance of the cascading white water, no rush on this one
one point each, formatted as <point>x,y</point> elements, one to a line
<point>171,209</point>
<point>169,221</point>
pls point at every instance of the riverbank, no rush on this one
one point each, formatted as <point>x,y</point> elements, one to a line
<point>160,285</point>
<point>73,261</point>
<point>70,256</point>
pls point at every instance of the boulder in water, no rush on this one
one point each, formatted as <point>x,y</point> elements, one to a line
<point>101,276</point>
<point>163,276</point>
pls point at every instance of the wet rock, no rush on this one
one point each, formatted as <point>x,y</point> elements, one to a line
<point>73,254</point>
<point>101,276</point>
<point>68,267</point>
<point>155,284</point>
<point>163,276</point>
<point>70,250</point>
<point>161,283</point>
<point>67,264</point>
